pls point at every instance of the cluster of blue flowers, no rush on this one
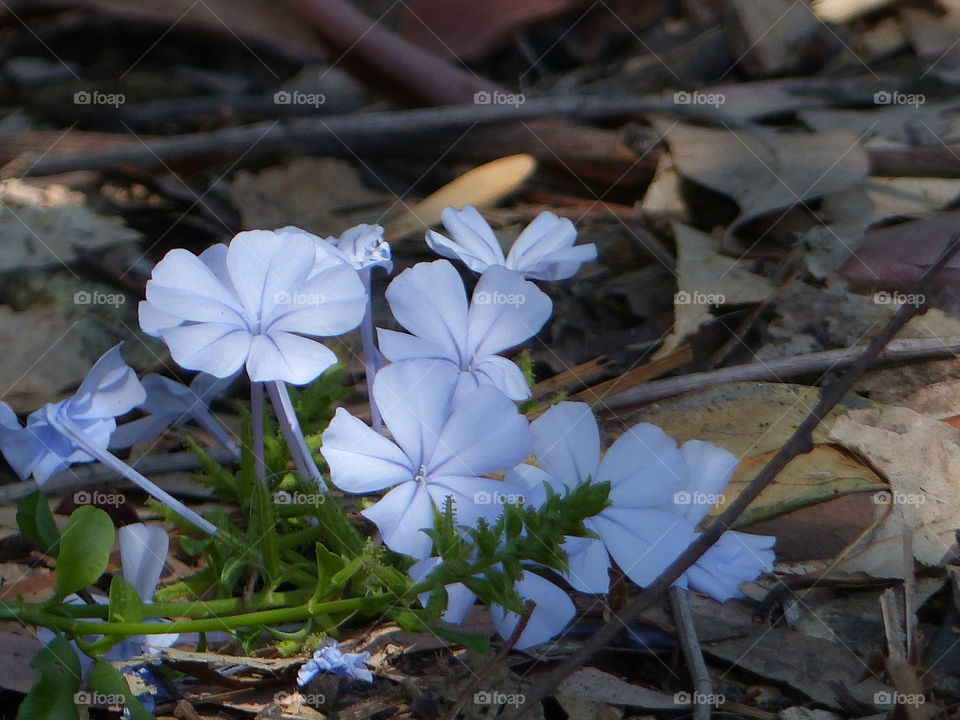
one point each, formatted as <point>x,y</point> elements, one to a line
<point>443,389</point>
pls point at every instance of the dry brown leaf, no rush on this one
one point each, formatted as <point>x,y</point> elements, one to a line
<point>841,11</point>
<point>764,170</point>
<point>481,187</point>
<point>768,36</point>
<point>920,458</point>
<point>706,278</point>
<point>324,196</point>
<point>593,684</point>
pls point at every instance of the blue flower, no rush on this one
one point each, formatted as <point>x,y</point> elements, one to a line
<point>544,250</point>
<point>429,300</point>
<point>252,303</point>
<point>46,445</point>
<point>444,447</point>
<point>331,659</point>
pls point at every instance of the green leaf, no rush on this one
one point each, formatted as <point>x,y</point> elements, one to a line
<point>262,533</point>
<point>111,686</point>
<point>477,643</point>
<point>125,604</point>
<point>36,522</point>
<point>84,549</point>
<point>52,695</point>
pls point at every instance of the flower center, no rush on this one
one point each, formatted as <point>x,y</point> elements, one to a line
<point>421,476</point>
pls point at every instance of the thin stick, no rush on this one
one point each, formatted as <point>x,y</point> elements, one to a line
<point>377,132</point>
<point>293,434</point>
<point>777,370</point>
<point>256,418</point>
<point>800,442</point>
<point>690,645</point>
<point>478,678</point>
<point>121,468</point>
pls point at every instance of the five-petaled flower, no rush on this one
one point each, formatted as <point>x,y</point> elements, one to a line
<point>545,250</point>
<point>444,448</point>
<point>48,443</point>
<point>329,658</point>
<point>429,300</point>
<point>252,303</point>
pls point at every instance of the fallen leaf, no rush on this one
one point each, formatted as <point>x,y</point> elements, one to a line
<point>769,36</point>
<point>706,278</point>
<point>324,196</point>
<point>593,684</point>
<point>764,170</point>
<point>44,226</point>
<point>920,459</point>
<point>912,123</point>
<point>841,11</point>
<point>481,187</point>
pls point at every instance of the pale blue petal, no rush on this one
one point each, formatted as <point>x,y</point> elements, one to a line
<point>111,388</point>
<point>287,357</point>
<point>709,468</point>
<point>360,459</point>
<point>397,346</point>
<point>153,321</point>
<point>414,399</point>
<point>589,564</point>
<point>401,517</point>
<point>553,612</point>
<point>139,430</point>
<point>505,311</point>
<point>265,268</point>
<point>736,558</point>
<point>546,234</point>
<point>644,468</point>
<point>430,302</point>
<point>331,302</point>
<point>143,552</point>
<point>532,480</point>
<point>183,286</point>
<point>215,348</point>
<point>643,542</point>
<point>561,264</point>
<point>485,433</point>
<point>474,242</point>
<point>567,442</point>
<point>503,374</point>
